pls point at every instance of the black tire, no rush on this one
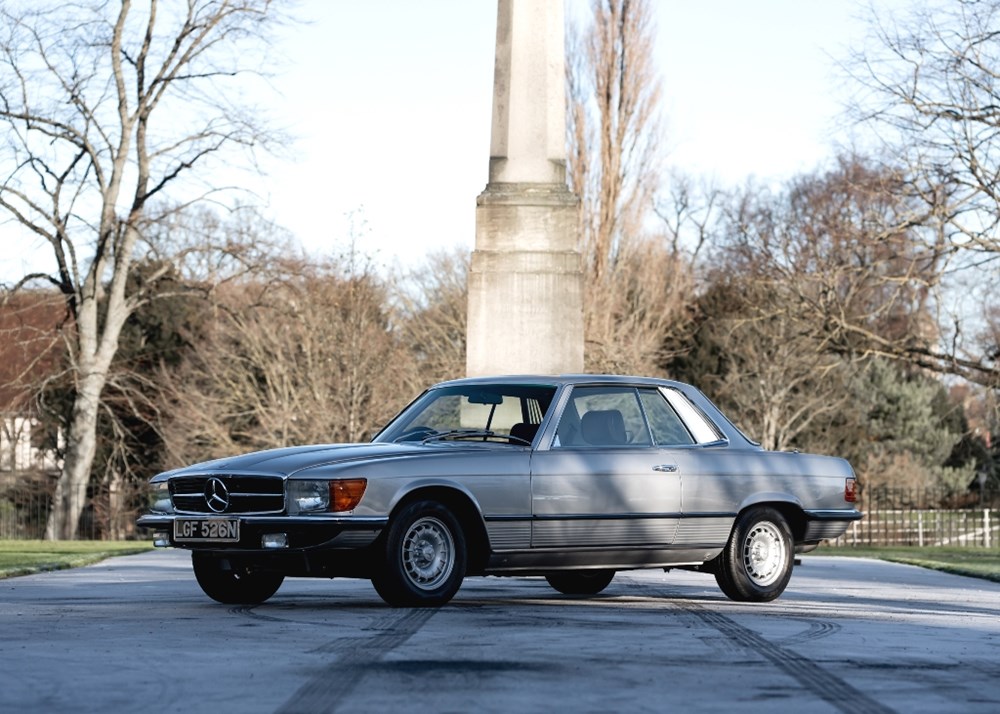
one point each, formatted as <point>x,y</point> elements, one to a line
<point>756,564</point>
<point>235,585</point>
<point>580,582</point>
<point>424,557</point>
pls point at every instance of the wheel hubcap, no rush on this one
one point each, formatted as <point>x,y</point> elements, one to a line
<point>428,553</point>
<point>764,555</point>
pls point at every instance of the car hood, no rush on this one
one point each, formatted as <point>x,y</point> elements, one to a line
<point>288,461</point>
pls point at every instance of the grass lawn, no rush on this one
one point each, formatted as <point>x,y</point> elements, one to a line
<point>974,562</point>
<point>23,557</point>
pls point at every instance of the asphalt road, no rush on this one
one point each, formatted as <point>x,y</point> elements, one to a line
<point>136,634</point>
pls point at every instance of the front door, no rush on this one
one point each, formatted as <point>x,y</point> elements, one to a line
<point>603,482</point>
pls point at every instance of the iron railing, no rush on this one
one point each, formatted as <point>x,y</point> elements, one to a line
<point>108,513</point>
<point>926,517</point>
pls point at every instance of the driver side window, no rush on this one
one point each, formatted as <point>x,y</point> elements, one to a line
<point>602,416</point>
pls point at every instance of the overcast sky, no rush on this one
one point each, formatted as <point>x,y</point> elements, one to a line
<point>393,99</point>
<point>389,102</point>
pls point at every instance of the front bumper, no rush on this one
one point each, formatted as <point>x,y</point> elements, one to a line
<point>301,532</point>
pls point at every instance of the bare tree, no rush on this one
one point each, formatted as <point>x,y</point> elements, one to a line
<point>753,356</point>
<point>811,289</point>
<point>934,91</point>
<point>109,109</point>
<point>637,284</point>
<point>857,258</point>
<point>933,94</point>
<point>302,359</point>
<point>638,315</point>
<point>431,307</point>
<point>613,126</point>
<point>781,384</point>
<point>690,211</point>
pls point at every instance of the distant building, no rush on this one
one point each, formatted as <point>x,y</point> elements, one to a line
<point>30,349</point>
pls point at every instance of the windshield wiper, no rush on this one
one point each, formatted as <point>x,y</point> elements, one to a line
<point>482,434</point>
<point>460,434</point>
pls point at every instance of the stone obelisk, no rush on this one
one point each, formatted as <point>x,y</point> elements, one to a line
<point>525,280</point>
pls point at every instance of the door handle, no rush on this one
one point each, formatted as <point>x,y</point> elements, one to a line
<point>666,468</point>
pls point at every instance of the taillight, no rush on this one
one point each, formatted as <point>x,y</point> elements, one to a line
<point>851,490</point>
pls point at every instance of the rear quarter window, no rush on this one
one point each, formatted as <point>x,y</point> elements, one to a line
<point>702,430</point>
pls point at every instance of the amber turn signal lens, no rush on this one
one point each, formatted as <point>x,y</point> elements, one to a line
<point>851,490</point>
<point>346,493</point>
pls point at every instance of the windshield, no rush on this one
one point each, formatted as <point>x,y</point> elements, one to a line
<point>507,413</point>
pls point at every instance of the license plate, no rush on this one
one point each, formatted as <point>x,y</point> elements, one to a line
<point>214,530</point>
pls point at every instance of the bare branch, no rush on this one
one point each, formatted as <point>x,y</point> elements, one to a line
<point>81,85</point>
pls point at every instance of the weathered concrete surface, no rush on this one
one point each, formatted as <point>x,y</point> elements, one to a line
<point>525,309</point>
<point>136,633</point>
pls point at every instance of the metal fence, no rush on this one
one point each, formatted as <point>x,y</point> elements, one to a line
<point>956,528</point>
<point>926,517</point>
<point>109,512</point>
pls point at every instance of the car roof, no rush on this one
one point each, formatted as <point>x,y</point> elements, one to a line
<point>561,379</point>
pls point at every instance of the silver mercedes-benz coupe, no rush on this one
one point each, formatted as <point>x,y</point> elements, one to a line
<point>572,478</point>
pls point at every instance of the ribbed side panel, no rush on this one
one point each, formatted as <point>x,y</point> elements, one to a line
<point>818,530</point>
<point>509,535</point>
<point>354,539</point>
<point>638,531</point>
<point>703,530</point>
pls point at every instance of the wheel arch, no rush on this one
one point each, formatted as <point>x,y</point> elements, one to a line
<point>464,507</point>
<point>789,508</point>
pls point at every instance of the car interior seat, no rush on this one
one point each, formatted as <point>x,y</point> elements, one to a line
<point>604,427</point>
<point>523,430</point>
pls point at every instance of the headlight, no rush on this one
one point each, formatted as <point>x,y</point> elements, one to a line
<point>307,496</point>
<point>159,497</point>
<point>313,496</point>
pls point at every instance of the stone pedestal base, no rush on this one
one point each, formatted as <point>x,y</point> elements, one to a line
<point>525,282</point>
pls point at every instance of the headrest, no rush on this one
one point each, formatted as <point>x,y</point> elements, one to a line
<point>603,427</point>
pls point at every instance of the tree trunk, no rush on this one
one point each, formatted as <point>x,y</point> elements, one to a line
<point>71,489</point>
<point>80,106</point>
<point>117,526</point>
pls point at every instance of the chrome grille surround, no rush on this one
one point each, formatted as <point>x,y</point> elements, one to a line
<point>247,494</point>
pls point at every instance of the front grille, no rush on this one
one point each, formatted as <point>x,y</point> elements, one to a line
<point>246,494</point>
